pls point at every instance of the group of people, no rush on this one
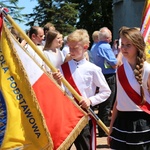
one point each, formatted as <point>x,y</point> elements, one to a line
<point>130,121</point>
<point>104,57</point>
<point>119,83</point>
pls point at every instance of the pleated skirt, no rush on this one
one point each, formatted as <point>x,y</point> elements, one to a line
<point>131,131</point>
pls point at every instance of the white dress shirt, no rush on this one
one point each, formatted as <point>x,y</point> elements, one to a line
<point>87,76</point>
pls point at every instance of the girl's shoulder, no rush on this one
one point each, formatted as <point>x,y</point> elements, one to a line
<point>146,71</point>
<point>146,66</point>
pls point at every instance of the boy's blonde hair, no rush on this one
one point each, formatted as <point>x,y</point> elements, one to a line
<point>95,36</point>
<point>79,35</point>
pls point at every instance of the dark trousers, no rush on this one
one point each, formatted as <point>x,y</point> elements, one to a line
<point>82,142</point>
<point>104,108</point>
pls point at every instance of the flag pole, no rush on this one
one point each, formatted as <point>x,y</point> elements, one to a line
<point>50,65</point>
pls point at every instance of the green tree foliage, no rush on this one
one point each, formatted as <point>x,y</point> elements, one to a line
<point>62,15</point>
<point>13,8</point>
<point>94,14</point>
<point>68,15</point>
<point>65,18</point>
<point>41,14</point>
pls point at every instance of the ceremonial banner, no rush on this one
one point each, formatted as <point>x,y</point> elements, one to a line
<point>38,114</point>
<point>145,28</point>
<point>21,123</point>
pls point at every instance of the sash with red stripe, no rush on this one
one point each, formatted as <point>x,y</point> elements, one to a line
<point>133,95</point>
<point>68,77</point>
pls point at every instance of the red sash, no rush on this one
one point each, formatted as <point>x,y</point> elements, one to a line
<point>68,77</point>
<point>133,95</point>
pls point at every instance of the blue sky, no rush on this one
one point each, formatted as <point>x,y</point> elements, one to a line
<point>29,5</point>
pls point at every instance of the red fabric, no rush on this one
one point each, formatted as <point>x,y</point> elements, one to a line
<point>1,20</point>
<point>146,27</point>
<point>133,95</point>
<point>68,76</point>
<point>56,107</point>
<point>1,23</point>
<point>6,10</point>
<point>93,134</point>
<point>147,7</point>
<point>145,20</point>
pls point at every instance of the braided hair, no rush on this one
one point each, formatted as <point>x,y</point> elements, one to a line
<point>135,36</point>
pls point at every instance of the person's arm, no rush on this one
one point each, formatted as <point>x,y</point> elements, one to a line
<point>57,76</point>
<point>114,115</point>
<point>23,43</point>
<point>108,55</point>
<point>114,66</point>
<point>67,58</point>
<point>119,58</point>
<point>104,90</point>
<point>85,102</point>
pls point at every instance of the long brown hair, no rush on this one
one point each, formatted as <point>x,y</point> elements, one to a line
<point>136,38</point>
<point>51,35</point>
